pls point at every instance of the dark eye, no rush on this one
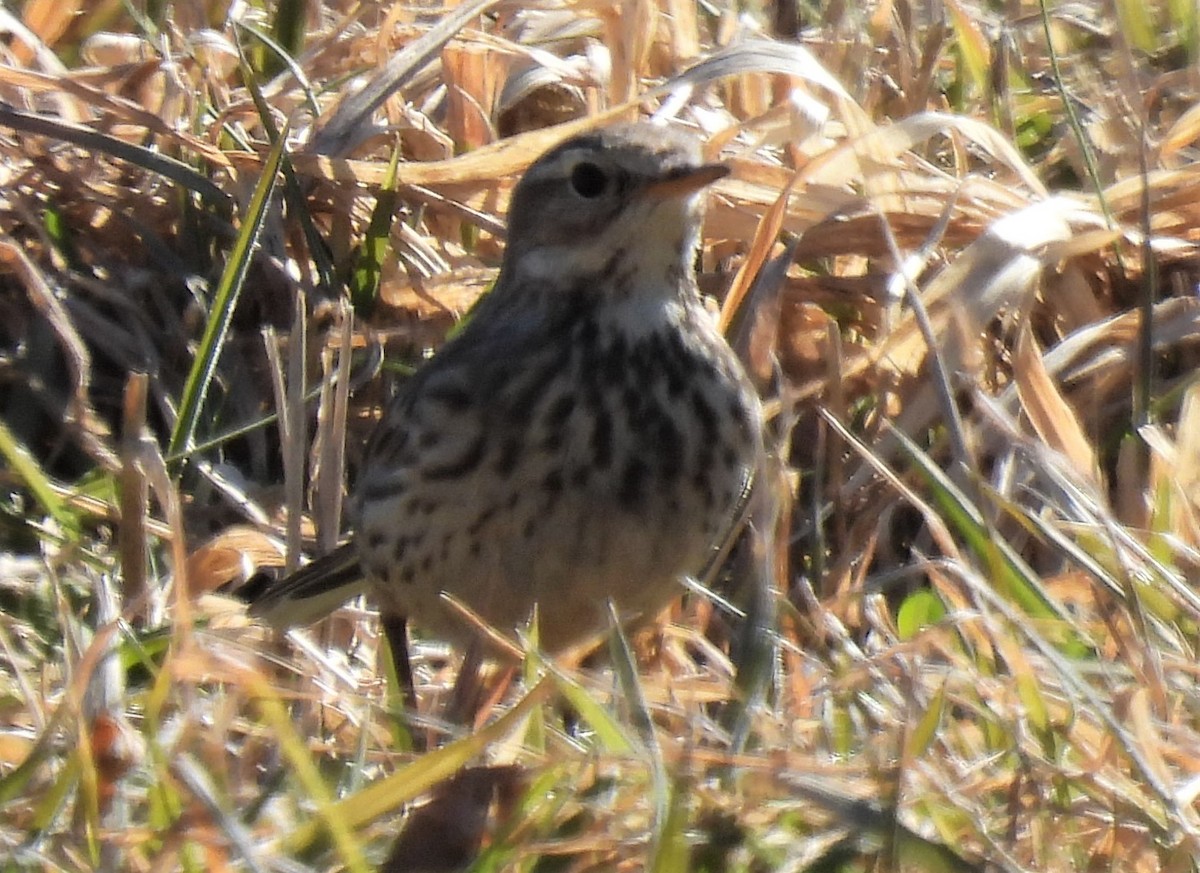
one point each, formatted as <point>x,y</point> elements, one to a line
<point>588,180</point>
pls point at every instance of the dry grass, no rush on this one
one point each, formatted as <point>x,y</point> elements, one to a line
<point>975,317</point>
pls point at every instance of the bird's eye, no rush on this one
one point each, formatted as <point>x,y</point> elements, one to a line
<point>588,180</point>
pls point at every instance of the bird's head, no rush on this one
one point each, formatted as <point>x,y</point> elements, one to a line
<point>622,204</point>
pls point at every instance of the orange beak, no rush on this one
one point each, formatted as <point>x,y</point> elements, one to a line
<point>680,183</point>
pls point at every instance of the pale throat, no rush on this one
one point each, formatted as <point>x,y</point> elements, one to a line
<point>656,246</point>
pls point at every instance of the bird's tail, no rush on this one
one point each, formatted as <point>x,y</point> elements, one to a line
<point>309,594</point>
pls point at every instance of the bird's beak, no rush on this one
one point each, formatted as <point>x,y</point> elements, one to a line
<point>681,182</point>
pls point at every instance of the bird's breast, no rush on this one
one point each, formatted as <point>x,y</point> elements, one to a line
<point>603,464</point>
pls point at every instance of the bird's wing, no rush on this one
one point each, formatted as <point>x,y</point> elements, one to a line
<point>452,399</point>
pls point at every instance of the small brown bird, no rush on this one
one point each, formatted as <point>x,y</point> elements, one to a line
<point>588,436</point>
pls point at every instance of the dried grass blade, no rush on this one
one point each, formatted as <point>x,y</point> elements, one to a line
<point>482,166</point>
<point>119,107</point>
<point>29,45</point>
<point>843,165</point>
<point>763,56</point>
<point>200,783</point>
<point>1048,411</point>
<point>337,134</point>
<point>332,413</point>
<point>294,444</point>
<point>78,359</point>
<point>1083,690</point>
<point>760,248</point>
<point>133,495</point>
<point>1184,132</point>
<point>297,71</point>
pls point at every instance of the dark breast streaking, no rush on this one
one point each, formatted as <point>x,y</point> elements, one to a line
<point>592,465</point>
<point>585,438</point>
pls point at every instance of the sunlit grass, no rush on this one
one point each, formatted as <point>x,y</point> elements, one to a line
<point>979,528</point>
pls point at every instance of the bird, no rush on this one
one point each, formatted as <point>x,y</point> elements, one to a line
<point>586,438</point>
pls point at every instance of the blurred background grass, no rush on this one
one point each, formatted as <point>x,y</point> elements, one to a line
<point>957,251</point>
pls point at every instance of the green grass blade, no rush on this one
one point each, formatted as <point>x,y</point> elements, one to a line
<point>925,733</point>
<point>967,519</point>
<point>625,668</point>
<point>22,462</point>
<point>368,264</point>
<point>230,287</point>
<point>102,143</point>
<point>670,854</point>
<point>610,736</point>
<point>331,815</point>
<point>286,58</point>
<point>390,794</point>
<point>288,29</point>
<point>293,191</point>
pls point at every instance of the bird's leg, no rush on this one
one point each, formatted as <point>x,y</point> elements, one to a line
<point>395,628</point>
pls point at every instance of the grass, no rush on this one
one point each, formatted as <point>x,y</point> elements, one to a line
<point>957,251</point>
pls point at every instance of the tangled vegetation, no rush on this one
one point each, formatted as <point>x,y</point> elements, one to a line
<point>957,253</point>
